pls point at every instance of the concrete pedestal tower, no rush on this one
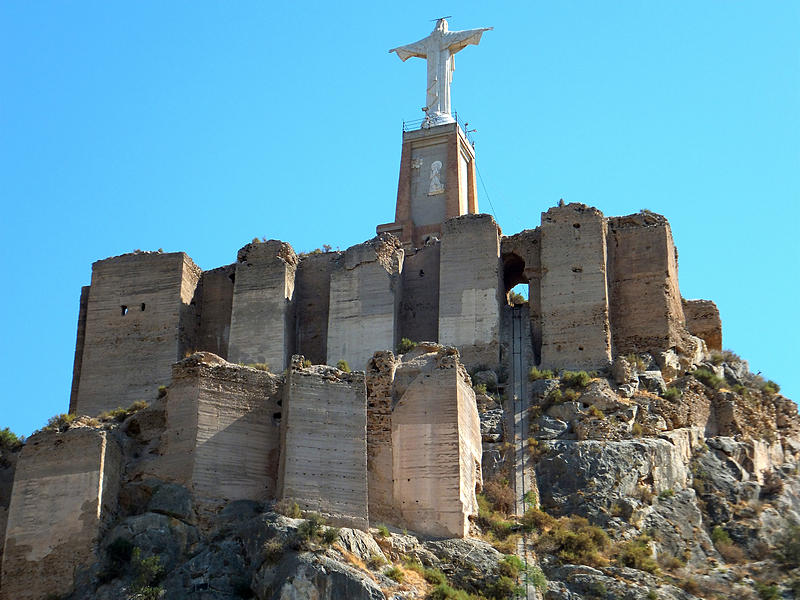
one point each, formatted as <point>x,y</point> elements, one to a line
<point>437,166</point>
<point>437,182</point>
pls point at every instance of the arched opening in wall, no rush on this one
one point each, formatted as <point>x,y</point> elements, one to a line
<point>514,280</point>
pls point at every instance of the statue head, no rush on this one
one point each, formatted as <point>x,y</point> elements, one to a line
<point>441,25</point>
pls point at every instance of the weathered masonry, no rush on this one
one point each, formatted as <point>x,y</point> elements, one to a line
<point>598,287</point>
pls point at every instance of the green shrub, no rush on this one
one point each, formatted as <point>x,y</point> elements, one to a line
<point>434,576</point>
<point>717,358</point>
<point>672,394</point>
<point>310,530</point>
<point>273,550</point>
<point>720,536</point>
<point>767,592</point>
<point>636,361</point>
<point>535,374</point>
<point>575,379</point>
<point>395,573</point>
<point>445,592</point>
<point>405,346</point>
<point>259,366</point>
<point>708,378</point>
<point>60,422</point>
<point>574,540</point>
<point>771,387</point>
<point>383,531</point>
<point>787,550</point>
<point>306,363</point>
<point>343,366</point>
<point>504,587</point>
<point>570,395</point>
<point>480,388</point>
<point>637,554</point>
<point>330,535</point>
<point>375,561</point>
<point>147,573</point>
<point>536,578</point>
<point>510,566</point>
<point>666,494</point>
<point>162,391</point>
<point>10,440</point>
<point>119,554</point>
<point>637,430</point>
<point>536,520</point>
<point>596,412</point>
<point>288,509</point>
<point>500,494</point>
<point>530,498</point>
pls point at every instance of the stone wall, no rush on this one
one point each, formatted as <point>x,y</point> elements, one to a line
<point>216,301</point>
<point>574,297</point>
<point>324,433</point>
<point>379,381</point>
<point>312,302</point>
<point>365,294</point>
<point>436,445</point>
<point>262,316</point>
<point>470,288</point>
<point>8,466</point>
<point>645,301</point>
<point>139,320</point>
<point>65,490</point>
<point>702,320</point>
<point>222,438</point>
<point>79,343</point>
<point>419,309</point>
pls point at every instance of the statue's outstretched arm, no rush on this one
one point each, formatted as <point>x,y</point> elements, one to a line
<point>458,40</point>
<point>417,49</point>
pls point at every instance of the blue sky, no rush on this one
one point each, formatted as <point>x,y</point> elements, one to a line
<point>196,126</point>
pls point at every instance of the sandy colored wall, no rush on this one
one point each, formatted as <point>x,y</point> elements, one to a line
<point>65,489</point>
<point>262,317</point>
<point>379,382</point>
<point>437,453</point>
<point>312,302</point>
<point>574,296</point>
<point>324,462</point>
<point>79,344</point>
<point>702,320</point>
<point>216,302</point>
<point>419,307</point>
<point>364,299</point>
<point>470,285</point>
<point>127,357</point>
<point>8,466</point>
<point>645,302</point>
<point>223,430</point>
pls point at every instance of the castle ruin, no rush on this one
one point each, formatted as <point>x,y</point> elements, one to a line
<point>245,357</point>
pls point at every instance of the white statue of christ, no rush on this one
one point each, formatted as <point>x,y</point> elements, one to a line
<point>439,49</point>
